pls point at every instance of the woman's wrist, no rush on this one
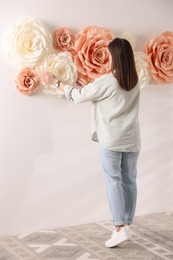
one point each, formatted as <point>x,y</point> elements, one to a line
<point>57,83</point>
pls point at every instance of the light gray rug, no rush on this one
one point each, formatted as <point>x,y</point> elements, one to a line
<point>152,240</point>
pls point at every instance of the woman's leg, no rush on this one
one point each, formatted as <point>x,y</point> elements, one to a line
<point>111,162</point>
<point>129,186</point>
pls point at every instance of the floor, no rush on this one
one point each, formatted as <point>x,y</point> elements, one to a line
<point>152,240</point>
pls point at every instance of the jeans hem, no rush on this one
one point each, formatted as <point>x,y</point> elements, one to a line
<point>119,223</point>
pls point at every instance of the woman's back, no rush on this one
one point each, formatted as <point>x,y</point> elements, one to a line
<point>115,118</point>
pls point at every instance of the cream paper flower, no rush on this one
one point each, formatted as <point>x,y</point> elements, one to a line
<point>62,67</point>
<point>142,68</point>
<point>30,43</point>
<point>129,37</point>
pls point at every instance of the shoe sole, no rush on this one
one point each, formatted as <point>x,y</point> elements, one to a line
<point>118,243</point>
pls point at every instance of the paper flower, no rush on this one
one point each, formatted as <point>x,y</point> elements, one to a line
<point>62,67</point>
<point>79,59</point>
<point>30,43</point>
<point>63,39</point>
<point>129,37</point>
<point>27,81</point>
<point>160,57</point>
<point>83,80</point>
<point>142,68</point>
<point>92,56</point>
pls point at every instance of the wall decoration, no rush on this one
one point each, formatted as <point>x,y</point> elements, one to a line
<point>30,43</point>
<point>27,81</point>
<point>160,57</point>
<point>61,65</point>
<point>77,59</point>
<point>91,56</point>
<point>142,68</point>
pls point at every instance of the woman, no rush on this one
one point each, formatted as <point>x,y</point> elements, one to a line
<point>115,104</point>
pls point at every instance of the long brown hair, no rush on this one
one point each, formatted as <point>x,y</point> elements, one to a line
<point>123,63</point>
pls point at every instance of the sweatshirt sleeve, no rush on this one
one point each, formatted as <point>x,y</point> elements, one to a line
<point>95,91</point>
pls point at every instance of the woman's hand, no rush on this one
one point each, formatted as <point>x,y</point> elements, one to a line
<point>61,86</point>
<point>46,77</point>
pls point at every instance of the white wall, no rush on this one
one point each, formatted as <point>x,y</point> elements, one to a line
<point>49,169</point>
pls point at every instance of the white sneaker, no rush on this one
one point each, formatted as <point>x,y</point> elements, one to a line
<point>119,236</point>
<point>129,231</point>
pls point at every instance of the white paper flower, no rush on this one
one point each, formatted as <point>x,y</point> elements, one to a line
<point>62,67</point>
<point>30,43</point>
<point>129,37</point>
<point>142,68</point>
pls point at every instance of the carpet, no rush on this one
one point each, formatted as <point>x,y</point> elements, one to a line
<point>152,239</point>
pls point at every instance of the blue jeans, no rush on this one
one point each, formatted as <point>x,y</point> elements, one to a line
<point>120,177</point>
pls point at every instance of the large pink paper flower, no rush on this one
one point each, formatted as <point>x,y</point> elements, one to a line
<point>92,55</point>
<point>82,80</point>
<point>27,81</point>
<point>160,57</point>
<point>63,39</point>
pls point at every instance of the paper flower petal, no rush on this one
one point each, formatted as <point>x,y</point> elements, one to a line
<point>129,37</point>
<point>142,68</point>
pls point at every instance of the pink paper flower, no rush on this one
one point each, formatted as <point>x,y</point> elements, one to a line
<point>27,81</point>
<point>83,80</point>
<point>160,57</point>
<point>92,56</point>
<point>63,39</point>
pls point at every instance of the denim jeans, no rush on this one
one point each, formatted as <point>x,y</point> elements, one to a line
<point>121,188</point>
